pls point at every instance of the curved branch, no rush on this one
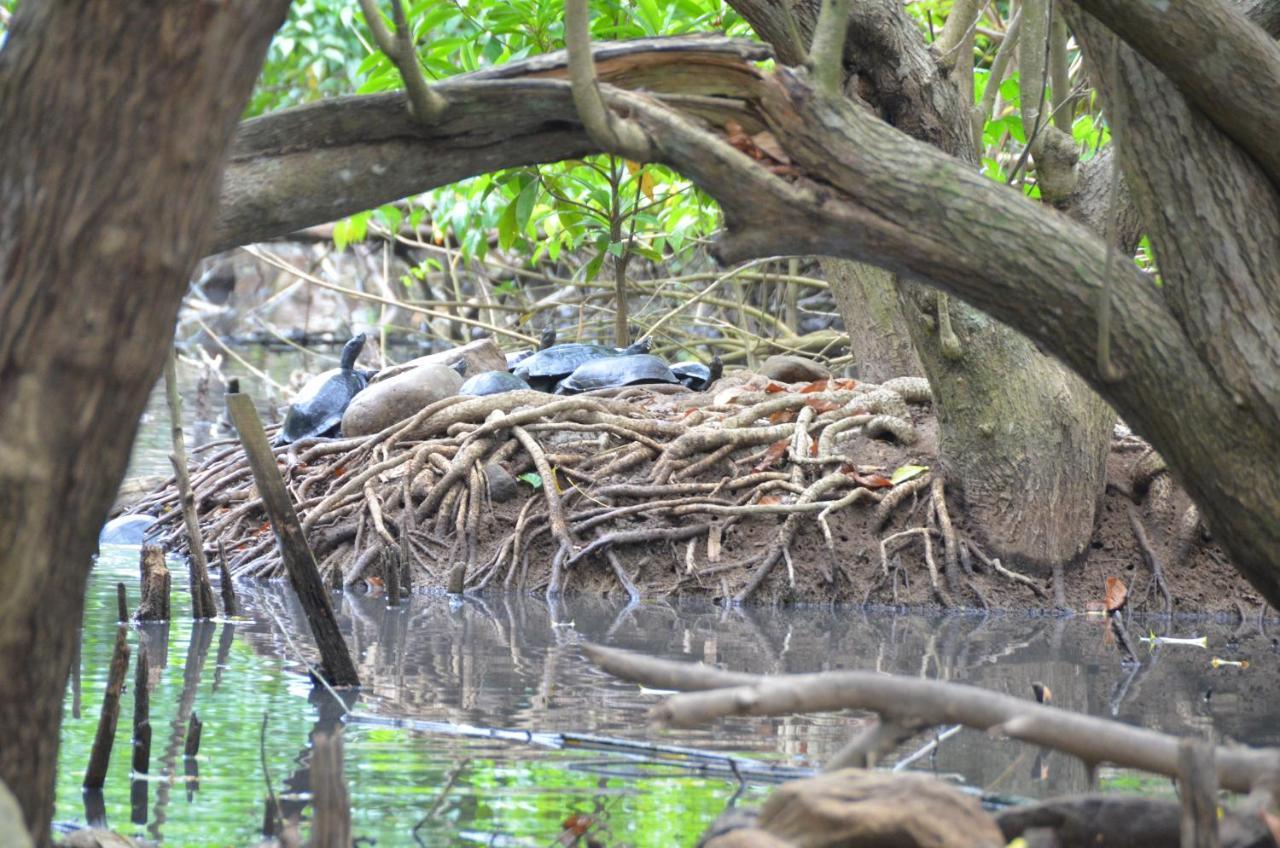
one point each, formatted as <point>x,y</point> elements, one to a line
<point>606,129</point>
<point>712,693</point>
<point>1223,63</point>
<point>424,104</point>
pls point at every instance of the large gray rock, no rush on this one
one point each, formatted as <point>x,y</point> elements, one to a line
<point>481,355</point>
<point>389,401</point>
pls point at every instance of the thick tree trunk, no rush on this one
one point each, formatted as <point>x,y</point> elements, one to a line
<point>1021,437</point>
<point>114,122</point>
<point>879,338</point>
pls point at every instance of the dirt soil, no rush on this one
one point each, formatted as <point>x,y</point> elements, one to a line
<point>851,572</point>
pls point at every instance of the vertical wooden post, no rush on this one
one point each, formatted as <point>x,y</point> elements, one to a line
<point>335,660</point>
<point>1198,791</point>
<point>230,609</point>
<point>331,825</point>
<point>154,605</point>
<point>96,774</point>
<point>201,592</point>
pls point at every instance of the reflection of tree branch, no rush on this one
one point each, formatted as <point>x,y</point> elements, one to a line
<point>197,653</point>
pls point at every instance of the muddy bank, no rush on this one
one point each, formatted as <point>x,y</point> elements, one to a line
<point>753,492</point>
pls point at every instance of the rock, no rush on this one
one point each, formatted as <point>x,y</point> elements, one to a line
<point>12,831</point>
<point>481,355</point>
<point>126,530</point>
<point>388,401</point>
<point>859,807</point>
<point>502,486</point>
<point>793,369</point>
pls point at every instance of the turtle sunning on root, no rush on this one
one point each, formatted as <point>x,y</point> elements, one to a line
<point>546,368</point>
<point>318,408</point>
<point>614,371</point>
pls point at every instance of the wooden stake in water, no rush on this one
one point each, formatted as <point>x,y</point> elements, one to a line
<point>201,591</point>
<point>335,660</point>
<point>96,774</point>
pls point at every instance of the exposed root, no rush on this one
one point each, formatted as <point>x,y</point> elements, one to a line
<point>417,496</point>
<point>1152,561</point>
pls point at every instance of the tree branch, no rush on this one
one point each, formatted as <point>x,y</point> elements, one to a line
<point>826,53</point>
<point>1236,85</point>
<point>424,104</point>
<point>713,694</point>
<point>614,134</point>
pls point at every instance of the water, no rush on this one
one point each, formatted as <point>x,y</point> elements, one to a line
<point>512,662</point>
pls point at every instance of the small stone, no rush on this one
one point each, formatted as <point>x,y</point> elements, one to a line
<point>793,369</point>
<point>502,486</point>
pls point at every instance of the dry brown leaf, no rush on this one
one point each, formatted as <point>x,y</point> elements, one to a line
<point>1117,594</point>
<point>871,481</point>
<point>782,416</point>
<point>766,141</point>
<point>820,405</point>
<point>768,500</point>
<point>776,451</point>
<point>815,386</point>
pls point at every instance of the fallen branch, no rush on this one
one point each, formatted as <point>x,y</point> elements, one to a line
<point>712,694</point>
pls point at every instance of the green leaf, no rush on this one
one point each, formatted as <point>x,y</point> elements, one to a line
<point>507,229</point>
<point>903,473</point>
<point>534,480</point>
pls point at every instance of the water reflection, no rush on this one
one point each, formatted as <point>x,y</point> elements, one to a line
<point>505,662</point>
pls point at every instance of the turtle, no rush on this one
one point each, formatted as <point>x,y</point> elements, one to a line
<point>318,408</point>
<point>697,376</point>
<point>492,383</point>
<point>547,340</point>
<point>548,367</point>
<point>610,372</point>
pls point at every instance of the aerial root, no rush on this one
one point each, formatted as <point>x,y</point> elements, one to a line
<point>958,554</point>
<point>427,488</point>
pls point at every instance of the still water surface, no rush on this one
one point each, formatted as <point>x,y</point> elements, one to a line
<point>515,662</point>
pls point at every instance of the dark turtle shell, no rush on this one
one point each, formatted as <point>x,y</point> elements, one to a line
<point>697,376</point>
<point>318,408</point>
<point>613,371</point>
<point>492,383</point>
<point>548,367</point>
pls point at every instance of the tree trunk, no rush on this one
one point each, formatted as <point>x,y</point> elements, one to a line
<point>879,338</point>
<point>1021,437</point>
<point>114,123</point>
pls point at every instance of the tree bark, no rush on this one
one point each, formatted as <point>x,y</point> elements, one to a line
<point>1021,437</point>
<point>879,338</point>
<point>884,199</point>
<point>114,122</point>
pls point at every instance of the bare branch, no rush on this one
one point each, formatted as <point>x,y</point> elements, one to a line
<point>1236,85</point>
<point>609,131</point>
<point>932,702</point>
<point>958,31</point>
<point>999,66</point>
<point>826,53</point>
<point>424,104</point>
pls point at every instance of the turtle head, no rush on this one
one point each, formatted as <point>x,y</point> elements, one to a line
<point>548,338</point>
<point>716,368</point>
<point>643,346</point>
<point>351,351</point>
<point>460,366</point>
